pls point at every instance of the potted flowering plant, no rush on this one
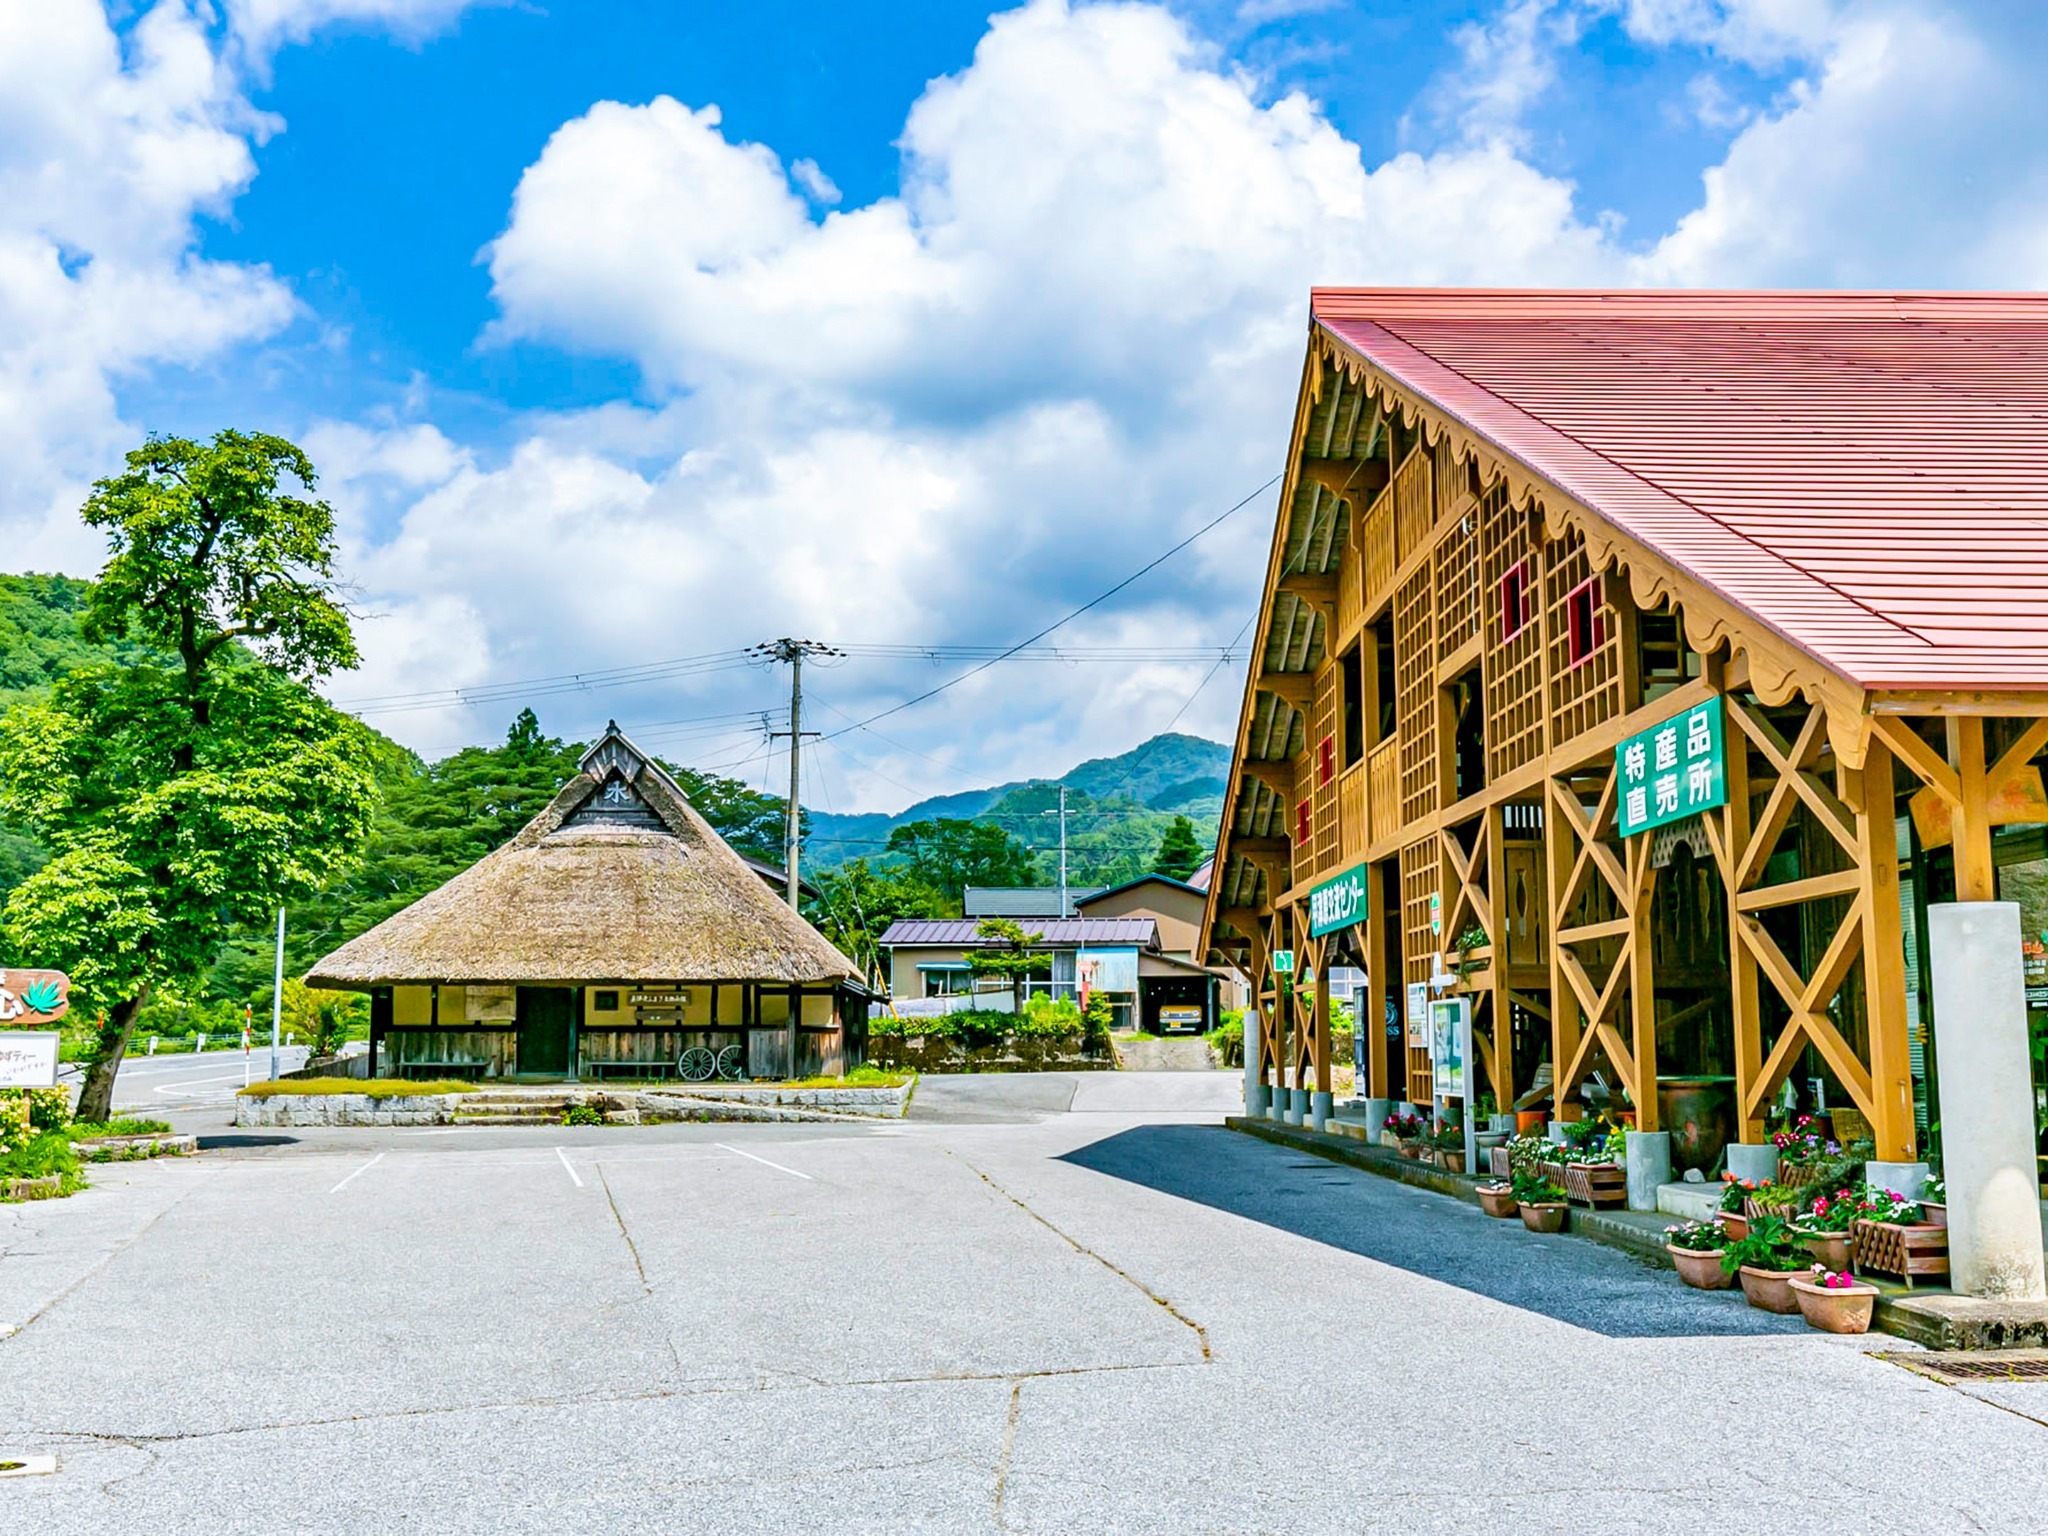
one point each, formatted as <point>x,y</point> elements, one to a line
<point>1447,1141</point>
<point>1803,1151</point>
<point>1890,1238</point>
<point>1934,1201</point>
<point>1695,1248</point>
<point>1766,1261</point>
<point>1735,1195</point>
<point>1406,1131</point>
<point>1834,1301</point>
<point>1540,1202</point>
<point>1825,1227</point>
<point>1498,1199</point>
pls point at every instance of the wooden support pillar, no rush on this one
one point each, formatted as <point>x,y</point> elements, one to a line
<point>1503,1059</point>
<point>1565,1019</point>
<point>1884,959</point>
<point>1320,1021</point>
<point>1642,981</point>
<point>1976,880</point>
<point>1744,998</point>
<point>1371,1014</point>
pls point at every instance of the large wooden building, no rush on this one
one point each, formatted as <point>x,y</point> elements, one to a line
<point>616,935</point>
<point>1646,662</point>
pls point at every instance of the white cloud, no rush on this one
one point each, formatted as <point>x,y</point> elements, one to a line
<point>818,187</point>
<point>263,26</point>
<point>106,157</point>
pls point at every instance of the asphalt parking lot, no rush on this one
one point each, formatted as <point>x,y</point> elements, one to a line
<point>1046,1305</point>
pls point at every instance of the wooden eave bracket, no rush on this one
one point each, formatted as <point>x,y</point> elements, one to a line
<point>1295,689</point>
<point>1354,480</point>
<point>1278,777</point>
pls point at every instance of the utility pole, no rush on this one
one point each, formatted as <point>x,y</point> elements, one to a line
<point>277,995</point>
<point>793,652</point>
<point>1065,911</point>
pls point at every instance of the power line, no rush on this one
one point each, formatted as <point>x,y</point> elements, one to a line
<point>1094,602</point>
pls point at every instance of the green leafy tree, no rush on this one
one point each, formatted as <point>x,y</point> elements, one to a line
<point>856,903</point>
<point>1180,852</point>
<point>1007,953</point>
<point>182,797</point>
<point>948,855</point>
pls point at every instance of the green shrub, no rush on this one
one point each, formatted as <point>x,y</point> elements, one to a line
<point>1047,1018</point>
<point>584,1114</point>
<point>1227,1038</point>
<point>376,1087</point>
<point>42,1155</point>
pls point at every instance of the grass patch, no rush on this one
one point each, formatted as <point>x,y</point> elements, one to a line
<point>859,1077</point>
<point>375,1088</point>
<point>123,1125</point>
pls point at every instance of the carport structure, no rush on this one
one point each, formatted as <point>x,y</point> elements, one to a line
<point>1646,662</point>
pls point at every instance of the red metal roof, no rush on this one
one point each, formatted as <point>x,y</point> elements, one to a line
<point>1865,473</point>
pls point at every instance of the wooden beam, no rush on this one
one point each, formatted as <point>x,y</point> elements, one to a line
<point>1911,748</point>
<point>2017,756</point>
<point>1642,985</point>
<point>1566,1038</point>
<point>1500,1061</point>
<point>1278,777</point>
<point>1353,480</point>
<point>1297,690</point>
<point>1976,880</point>
<point>1841,883</point>
<point>1255,847</point>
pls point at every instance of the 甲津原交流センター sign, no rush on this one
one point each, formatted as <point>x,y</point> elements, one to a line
<point>1337,903</point>
<point>1671,771</point>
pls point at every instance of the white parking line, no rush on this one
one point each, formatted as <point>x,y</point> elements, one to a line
<point>763,1161</point>
<point>373,1162</point>
<point>564,1156</point>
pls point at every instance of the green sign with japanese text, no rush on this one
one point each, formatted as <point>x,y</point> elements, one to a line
<point>1337,902</point>
<point>1671,771</point>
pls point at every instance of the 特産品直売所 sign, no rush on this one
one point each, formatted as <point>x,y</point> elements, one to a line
<point>1337,903</point>
<point>1671,771</point>
<point>28,1058</point>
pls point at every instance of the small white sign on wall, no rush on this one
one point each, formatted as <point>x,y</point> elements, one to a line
<point>28,1058</point>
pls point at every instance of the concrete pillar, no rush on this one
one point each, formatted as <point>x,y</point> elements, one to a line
<point>1649,1164</point>
<point>1297,1106</point>
<point>1747,1160</point>
<point>1555,1130</point>
<point>1905,1180</point>
<point>1987,1101</point>
<point>1254,1069</point>
<point>1319,1111</point>
<point>1376,1112</point>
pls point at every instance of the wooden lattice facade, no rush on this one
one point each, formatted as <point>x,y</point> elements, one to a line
<point>1452,648</point>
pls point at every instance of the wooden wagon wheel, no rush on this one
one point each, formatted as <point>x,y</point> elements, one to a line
<point>697,1063</point>
<point>730,1063</point>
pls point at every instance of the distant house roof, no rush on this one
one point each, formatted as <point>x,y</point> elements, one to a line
<point>959,932</point>
<point>1857,471</point>
<point>775,877</point>
<point>1165,880</point>
<point>1202,876</point>
<point>1022,900</point>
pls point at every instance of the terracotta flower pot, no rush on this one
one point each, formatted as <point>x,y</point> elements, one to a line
<point>1497,1200</point>
<point>1935,1211</point>
<point>1735,1224</point>
<point>1451,1162</point>
<point>1700,1268</point>
<point>1544,1218</point>
<point>1769,1289</point>
<point>1828,1248</point>
<point>1835,1311</point>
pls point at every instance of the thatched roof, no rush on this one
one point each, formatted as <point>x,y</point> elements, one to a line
<point>619,879</point>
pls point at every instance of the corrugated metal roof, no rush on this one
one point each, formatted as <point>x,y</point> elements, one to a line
<point>1142,931</point>
<point>1867,474</point>
<point>1022,900</point>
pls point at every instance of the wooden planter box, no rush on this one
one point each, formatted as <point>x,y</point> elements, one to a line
<point>1916,1252</point>
<point>1591,1183</point>
<point>1497,1163</point>
<point>1794,1176</point>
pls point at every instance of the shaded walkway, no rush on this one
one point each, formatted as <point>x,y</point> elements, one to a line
<point>1567,1278</point>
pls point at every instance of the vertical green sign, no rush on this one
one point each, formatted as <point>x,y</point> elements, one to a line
<point>1337,902</point>
<point>1671,771</point>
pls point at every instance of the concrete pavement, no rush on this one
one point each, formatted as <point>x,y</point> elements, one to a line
<point>1053,1318</point>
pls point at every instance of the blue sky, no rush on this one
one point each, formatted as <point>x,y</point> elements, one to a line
<point>627,331</point>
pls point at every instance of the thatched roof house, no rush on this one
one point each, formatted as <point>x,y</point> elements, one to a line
<point>616,931</point>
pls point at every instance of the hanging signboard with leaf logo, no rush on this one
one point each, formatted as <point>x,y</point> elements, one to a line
<point>30,998</point>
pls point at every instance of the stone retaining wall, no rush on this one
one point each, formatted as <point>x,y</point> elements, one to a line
<point>685,1101</point>
<point>308,1109</point>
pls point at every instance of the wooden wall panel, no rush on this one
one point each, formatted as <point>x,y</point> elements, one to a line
<point>1415,696</point>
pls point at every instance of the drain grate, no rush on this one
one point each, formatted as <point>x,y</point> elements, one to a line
<point>1978,1365</point>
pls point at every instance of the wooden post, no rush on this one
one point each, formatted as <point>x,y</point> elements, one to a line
<point>1564,1002</point>
<point>1744,999</point>
<point>1376,982</point>
<point>1976,880</point>
<point>1642,981</point>
<point>1320,1023</point>
<point>1884,959</point>
<point>1497,997</point>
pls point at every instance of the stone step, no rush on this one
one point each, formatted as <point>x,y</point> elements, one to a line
<point>1690,1202</point>
<point>462,1119</point>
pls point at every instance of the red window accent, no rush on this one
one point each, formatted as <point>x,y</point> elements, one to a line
<point>1301,822</point>
<point>1584,630</point>
<point>1516,605</point>
<point>1326,758</point>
